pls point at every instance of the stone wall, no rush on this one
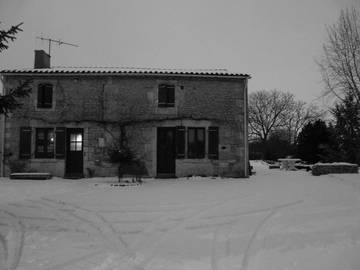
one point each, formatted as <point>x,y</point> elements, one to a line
<point>320,169</point>
<point>98,103</point>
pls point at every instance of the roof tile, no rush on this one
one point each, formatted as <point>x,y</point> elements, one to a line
<point>125,70</point>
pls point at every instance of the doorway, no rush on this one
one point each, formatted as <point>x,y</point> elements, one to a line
<point>166,152</point>
<point>74,164</point>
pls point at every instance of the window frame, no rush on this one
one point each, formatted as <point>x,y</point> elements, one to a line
<point>44,143</point>
<point>170,98</point>
<point>40,102</point>
<point>202,147</point>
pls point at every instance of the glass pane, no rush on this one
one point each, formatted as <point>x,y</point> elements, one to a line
<point>78,146</point>
<point>72,146</point>
<point>191,135</point>
<point>162,94</point>
<point>50,147</point>
<point>40,149</point>
<point>200,135</point>
<point>73,137</point>
<point>40,135</point>
<point>170,94</point>
<point>51,136</point>
<point>79,137</point>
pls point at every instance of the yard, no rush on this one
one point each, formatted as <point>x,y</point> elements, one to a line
<point>273,220</point>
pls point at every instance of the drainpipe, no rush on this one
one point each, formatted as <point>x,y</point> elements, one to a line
<point>2,128</point>
<point>246,121</point>
<point>2,145</point>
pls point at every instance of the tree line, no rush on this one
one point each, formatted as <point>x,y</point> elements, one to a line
<point>281,126</point>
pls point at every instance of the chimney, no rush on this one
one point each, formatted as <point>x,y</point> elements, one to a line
<point>42,59</point>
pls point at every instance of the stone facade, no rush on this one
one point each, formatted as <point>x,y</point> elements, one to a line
<point>98,103</point>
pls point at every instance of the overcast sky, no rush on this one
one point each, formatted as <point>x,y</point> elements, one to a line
<point>276,42</point>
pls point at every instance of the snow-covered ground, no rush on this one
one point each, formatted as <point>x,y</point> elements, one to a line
<point>273,220</point>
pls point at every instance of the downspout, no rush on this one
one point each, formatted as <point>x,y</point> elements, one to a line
<point>246,121</point>
<point>2,134</point>
<point>2,146</point>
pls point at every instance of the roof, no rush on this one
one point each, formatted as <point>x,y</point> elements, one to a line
<point>124,71</point>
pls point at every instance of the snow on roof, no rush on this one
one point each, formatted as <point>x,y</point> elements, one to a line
<point>125,71</point>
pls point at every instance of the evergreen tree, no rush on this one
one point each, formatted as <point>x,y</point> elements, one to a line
<point>8,101</point>
<point>347,115</point>
<point>316,142</point>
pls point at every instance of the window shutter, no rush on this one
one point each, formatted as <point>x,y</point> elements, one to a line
<point>180,142</point>
<point>47,95</point>
<point>25,142</point>
<point>213,133</point>
<point>162,96</point>
<point>60,142</point>
<point>40,96</point>
<point>170,95</point>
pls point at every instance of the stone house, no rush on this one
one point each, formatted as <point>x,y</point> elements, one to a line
<point>178,122</point>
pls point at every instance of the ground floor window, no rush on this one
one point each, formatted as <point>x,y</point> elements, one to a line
<point>44,143</point>
<point>196,142</point>
<point>49,142</point>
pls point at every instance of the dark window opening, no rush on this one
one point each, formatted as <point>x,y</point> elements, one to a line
<point>196,142</point>
<point>44,143</point>
<point>166,95</point>
<point>45,96</point>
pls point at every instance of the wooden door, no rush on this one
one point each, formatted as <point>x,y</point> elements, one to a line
<point>166,152</point>
<point>74,153</point>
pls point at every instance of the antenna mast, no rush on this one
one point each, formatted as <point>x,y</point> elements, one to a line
<point>59,42</point>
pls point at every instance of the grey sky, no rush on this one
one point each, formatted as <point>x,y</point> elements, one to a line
<point>275,41</point>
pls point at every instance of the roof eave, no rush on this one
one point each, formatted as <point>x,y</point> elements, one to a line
<point>127,74</point>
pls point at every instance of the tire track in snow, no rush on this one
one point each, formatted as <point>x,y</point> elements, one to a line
<point>3,252</point>
<point>181,225</point>
<point>111,238</point>
<point>13,243</point>
<point>214,255</point>
<point>274,210</point>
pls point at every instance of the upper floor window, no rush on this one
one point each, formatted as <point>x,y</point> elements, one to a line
<point>45,95</point>
<point>166,96</point>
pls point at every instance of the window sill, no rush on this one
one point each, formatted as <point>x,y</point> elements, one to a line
<point>44,160</point>
<point>166,110</point>
<point>44,109</point>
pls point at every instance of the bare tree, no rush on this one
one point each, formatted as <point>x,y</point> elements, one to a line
<point>297,117</point>
<point>340,63</point>
<point>267,110</point>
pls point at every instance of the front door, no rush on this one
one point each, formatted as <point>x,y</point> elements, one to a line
<point>74,153</point>
<point>165,152</point>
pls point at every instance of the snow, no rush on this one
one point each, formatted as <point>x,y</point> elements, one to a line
<point>274,220</point>
<point>335,163</point>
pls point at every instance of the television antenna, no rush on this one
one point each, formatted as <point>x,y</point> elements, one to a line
<point>58,41</point>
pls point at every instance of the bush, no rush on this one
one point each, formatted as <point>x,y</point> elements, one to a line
<point>122,155</point>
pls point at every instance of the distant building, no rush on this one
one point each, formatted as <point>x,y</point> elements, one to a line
<point>178,122</point>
